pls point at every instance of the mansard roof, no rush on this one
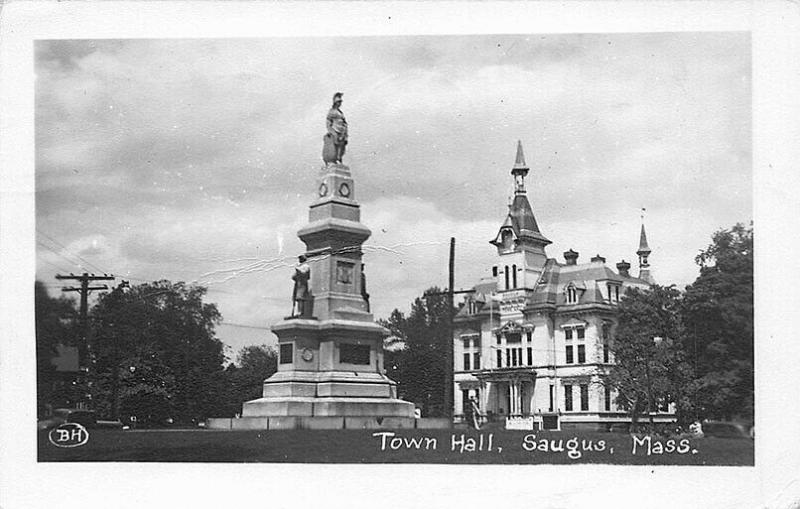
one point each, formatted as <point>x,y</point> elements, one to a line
<point>589,279</point>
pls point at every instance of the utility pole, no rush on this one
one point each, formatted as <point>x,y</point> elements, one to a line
<point>84,290</point>
<point>449,383</point>
<point>448,391</point>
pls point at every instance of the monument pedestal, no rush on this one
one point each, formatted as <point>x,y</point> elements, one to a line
<point>330,366</point>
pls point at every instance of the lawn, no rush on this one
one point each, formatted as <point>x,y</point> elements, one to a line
<point>399,446</point>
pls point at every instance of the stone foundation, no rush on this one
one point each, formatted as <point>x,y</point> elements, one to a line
<point>325,407</point>
<point>324,422</point>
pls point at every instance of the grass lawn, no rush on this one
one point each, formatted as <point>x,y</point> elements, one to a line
<point>405,446</point>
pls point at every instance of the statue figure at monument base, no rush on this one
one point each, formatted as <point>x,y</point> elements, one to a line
<point>301,296</point>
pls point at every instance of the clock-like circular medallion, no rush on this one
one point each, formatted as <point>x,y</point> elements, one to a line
<point>307,354</point>
<point>323,189</point>
<point>344,189</point>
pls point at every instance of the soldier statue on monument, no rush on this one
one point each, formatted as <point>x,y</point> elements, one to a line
<point>364,294</point>
<point>335,140</point>
<point>301,295</point>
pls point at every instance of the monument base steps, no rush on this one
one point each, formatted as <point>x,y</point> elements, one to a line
<point>322,423</point>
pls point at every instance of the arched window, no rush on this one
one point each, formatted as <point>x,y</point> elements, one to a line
<point>514,275</point>
<point>572,295</point>
<point>507,279</point>
<point>507,239</point>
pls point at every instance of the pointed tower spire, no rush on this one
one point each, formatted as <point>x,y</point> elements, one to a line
<point>643,247</point>
<point>520,245</point>
<point>643,252</point>
<point>519,164</point>
<point>520,223</point>
<point>520,170</point>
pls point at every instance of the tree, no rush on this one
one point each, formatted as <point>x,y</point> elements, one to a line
<point>649,362</point>
<point>55,325</point>
<point>156,353</point>
<point>419,369</point>
<point>718,314</point>
<point>245,382</point>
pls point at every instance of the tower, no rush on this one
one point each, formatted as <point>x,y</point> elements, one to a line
<point>520,245</point>
<point>643,252</point>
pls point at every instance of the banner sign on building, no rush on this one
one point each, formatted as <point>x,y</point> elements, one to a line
<point>520,423</point>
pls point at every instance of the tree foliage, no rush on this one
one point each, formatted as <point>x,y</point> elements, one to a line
<point>650,367</point>
<point>245,382</point>
<point>419,369</point>
<point>718,315</point>
<point>705,363</point>
<point>55,325</point>
<point>156,353</point>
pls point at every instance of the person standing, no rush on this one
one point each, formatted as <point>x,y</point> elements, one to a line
<point>475,412</point>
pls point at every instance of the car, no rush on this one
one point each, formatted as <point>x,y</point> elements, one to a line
<point>725,429</point>
<point>85,418</point>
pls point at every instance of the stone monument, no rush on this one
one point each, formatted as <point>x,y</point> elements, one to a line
<point>330,367</point>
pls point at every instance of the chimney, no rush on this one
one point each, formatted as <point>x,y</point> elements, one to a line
<point>571,257</point>
<point>598,258</point>
<point>623,267</point>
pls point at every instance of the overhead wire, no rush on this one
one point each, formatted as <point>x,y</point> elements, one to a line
<point>256,265</point>
<point>55,266</point>
<point>58,253</point>
<point>62,246</point>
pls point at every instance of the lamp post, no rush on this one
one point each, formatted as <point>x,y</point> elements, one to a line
<point>656,343</point>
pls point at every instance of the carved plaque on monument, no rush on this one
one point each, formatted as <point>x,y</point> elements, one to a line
<point>344,272</point>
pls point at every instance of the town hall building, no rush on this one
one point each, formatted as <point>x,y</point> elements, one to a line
<point>535,339</point>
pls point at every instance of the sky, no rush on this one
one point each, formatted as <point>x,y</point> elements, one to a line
<point>196,159</point>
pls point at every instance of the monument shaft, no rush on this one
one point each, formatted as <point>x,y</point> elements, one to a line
<point>331,357</point>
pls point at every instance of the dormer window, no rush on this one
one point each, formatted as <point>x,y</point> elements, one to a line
<point>613,292</point>
<point>572,294</point>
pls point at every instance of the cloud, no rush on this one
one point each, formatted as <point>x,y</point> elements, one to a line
<point>195,160</point>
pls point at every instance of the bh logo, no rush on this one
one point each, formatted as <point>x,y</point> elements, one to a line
<point>69,434</point>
